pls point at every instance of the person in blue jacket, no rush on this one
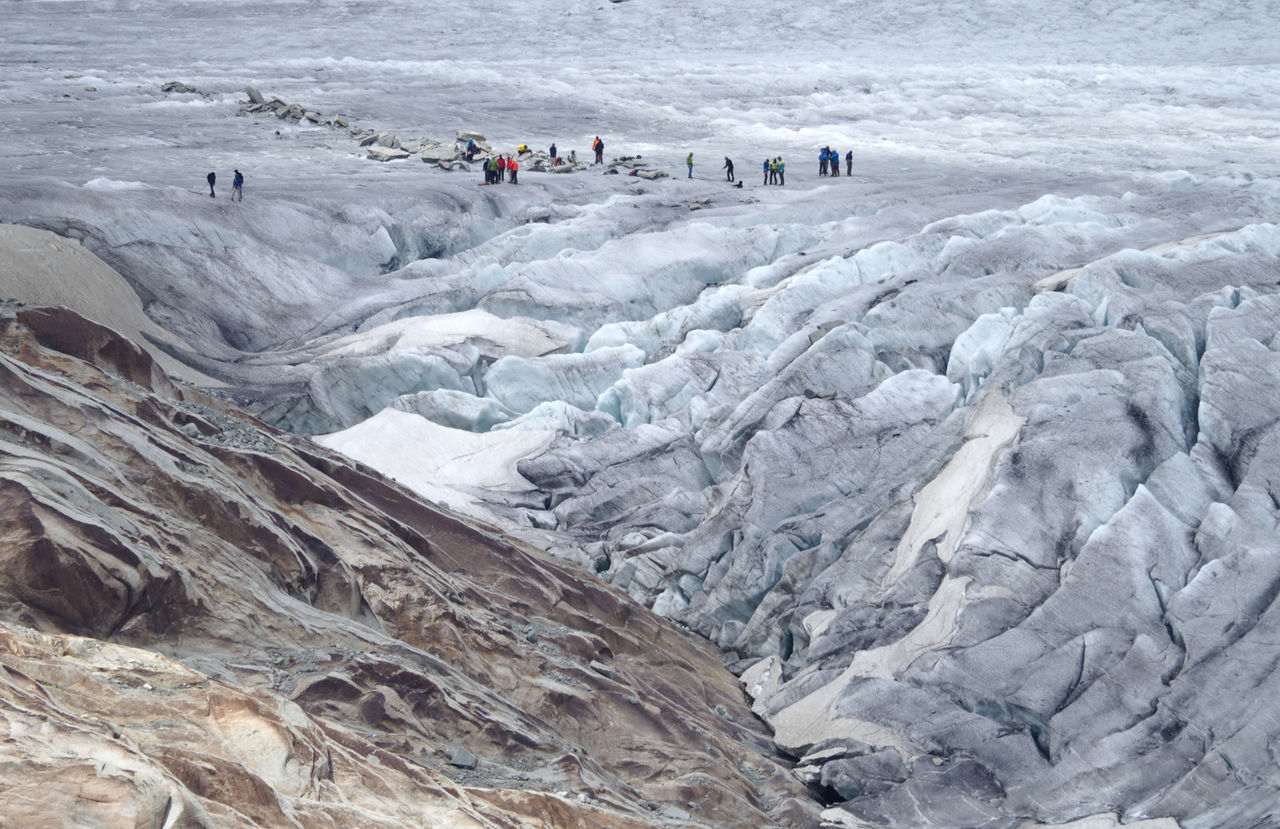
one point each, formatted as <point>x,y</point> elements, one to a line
<point>835,162</point>
<point>823,158</point>
<point>848,160</point>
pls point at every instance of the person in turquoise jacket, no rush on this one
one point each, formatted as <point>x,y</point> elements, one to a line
<point>782,171</point>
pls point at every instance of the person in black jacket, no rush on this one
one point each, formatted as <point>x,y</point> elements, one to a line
<point>728,168</point>
<point>211,178</point>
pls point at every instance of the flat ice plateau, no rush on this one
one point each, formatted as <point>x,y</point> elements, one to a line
<point>967,461</point>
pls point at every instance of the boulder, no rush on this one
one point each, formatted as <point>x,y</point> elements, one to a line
<point>386,153</point>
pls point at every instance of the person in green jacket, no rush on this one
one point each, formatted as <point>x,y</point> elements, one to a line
<point>689,160</point>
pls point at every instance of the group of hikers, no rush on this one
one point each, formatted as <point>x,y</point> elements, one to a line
<point>237,185</point>
<point>829,159</point>
<point>775,170</point>
<point>500,168</point>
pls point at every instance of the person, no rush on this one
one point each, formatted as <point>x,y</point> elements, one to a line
<point>782,171</point>
<point>767,167</point>
<point>237,183</point>
<point>513,167</point>
<point>502,170</point>
<point>728,168</point>
<point>573,156</point>
<point>835,162</point>
<point>689,160</point>
<point>598,146</point>
<point>848,160</point>
<point>471,148</point>
<point>823,158</point>
<point>211,178</point>
<point>552,153</point>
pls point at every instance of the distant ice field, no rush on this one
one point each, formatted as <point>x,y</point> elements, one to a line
<point>1082,86</point>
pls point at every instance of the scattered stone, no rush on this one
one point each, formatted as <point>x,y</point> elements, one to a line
<point>255,97</point>
<point>386,153</point>
<point>176,86</point>
<point>603,669</point>
<point>462,758</point>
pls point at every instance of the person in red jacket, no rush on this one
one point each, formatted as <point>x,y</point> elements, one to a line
<point>513,167</point>
<point>502,169</point>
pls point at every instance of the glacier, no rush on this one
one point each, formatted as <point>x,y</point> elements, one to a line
<point>965,462</point>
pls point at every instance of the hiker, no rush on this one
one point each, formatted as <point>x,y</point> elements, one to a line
<point>502,170</point>
<point>555,161</point>
<point>782,170</point>
<point>767,167</point>
<point>728,168</point>
<point>513,167</point>
<point>211,178</point>
<point>237,183</point>
<point>823,158</point>
<point>471,148</point>
<point>835,162</point>
<point>689,160</point>
<point>848,160</point>
<point>598,146</point>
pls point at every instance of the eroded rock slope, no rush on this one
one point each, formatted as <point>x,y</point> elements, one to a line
<point>205,622</point>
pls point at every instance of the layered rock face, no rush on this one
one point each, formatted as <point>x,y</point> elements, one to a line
<point>205,622</point>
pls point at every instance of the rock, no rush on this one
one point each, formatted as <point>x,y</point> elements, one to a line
<point>176,86</point>
<point>386,154</point>
<point>462,758</point>
<point>255,97</point>
<point>603,669</point>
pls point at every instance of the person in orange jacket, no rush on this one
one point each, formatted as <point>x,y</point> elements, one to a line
<point>513,167</point>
